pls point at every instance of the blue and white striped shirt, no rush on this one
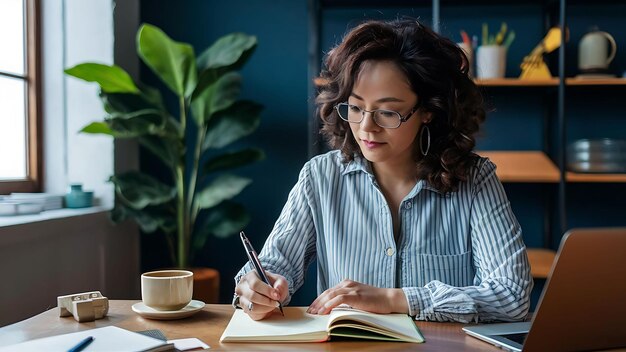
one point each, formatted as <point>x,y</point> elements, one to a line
<point>459,256</point>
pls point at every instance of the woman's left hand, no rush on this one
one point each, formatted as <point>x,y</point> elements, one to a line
<point>360,296</point>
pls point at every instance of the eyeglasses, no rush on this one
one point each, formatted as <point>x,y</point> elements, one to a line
<point>383,118</point>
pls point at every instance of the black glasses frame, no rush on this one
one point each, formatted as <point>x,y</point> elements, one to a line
<point>401,119</point>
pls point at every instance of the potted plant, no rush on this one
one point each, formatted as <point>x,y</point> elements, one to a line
<point>207,90</point>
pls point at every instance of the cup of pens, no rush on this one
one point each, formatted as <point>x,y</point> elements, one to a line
<point>491,61</point>
<point>491,54</point>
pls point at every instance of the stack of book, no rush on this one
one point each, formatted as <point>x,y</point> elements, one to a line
<point>29,203</point>
<point>48,200</point>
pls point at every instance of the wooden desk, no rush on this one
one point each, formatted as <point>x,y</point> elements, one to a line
<point>209,324</point>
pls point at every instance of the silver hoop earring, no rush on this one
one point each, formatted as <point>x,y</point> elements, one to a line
<point>425,128</point>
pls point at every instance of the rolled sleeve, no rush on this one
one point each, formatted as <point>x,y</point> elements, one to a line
<point>419,301</point>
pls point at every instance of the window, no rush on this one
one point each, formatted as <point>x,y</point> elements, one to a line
<point>20,145</point>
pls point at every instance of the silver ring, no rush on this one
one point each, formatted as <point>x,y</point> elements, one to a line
<point>235,302</point>
<point>250,306</point>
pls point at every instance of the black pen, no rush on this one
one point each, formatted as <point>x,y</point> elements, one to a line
<point>254,259</point>
<point>81,345</point>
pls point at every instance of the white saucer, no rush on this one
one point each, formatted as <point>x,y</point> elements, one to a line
<point>192,308</point>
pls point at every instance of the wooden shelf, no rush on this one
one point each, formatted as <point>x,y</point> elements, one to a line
<point>523,166</point>
<point>535,166</point>
<point>541,260</point>
<point>596,82</point>
<point>551,82</point>
<point>598,178</point>
<point>516,82</point>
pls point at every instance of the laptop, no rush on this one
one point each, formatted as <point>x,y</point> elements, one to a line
<point>583,303</point>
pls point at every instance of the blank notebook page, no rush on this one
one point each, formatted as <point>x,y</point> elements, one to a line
<point>296,322</point>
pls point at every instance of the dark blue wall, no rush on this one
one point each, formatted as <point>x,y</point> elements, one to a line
<point>276,76</point>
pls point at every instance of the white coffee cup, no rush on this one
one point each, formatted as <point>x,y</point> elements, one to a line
<point>167,289</point>
<point>490,61</point>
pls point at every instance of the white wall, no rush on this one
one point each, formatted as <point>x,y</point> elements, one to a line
<point>75,31</point>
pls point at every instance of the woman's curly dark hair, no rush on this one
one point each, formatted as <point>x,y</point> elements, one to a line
<point>437,71</point>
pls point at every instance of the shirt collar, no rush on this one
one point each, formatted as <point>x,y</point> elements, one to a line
<point>428,186</point>
<point>358,164</point>
<point>363,165</point>
<point>423,184</point>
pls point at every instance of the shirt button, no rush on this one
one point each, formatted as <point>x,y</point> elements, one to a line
<point>408,205</point>
<point>389,251</point>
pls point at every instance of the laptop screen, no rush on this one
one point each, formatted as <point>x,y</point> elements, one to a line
<point>519,338</point>
<point>584,274</point>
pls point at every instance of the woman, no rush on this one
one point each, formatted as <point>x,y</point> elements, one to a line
<point>402,216</point>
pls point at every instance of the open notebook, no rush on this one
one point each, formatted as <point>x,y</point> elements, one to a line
<point>299,326</point>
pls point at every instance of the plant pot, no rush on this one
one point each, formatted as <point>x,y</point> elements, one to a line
<point>206,284</point>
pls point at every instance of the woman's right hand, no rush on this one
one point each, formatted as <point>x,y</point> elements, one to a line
<point>263,297</point>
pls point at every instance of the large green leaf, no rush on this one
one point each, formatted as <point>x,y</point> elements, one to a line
<point>205,79</point>
<point>152,96</point>
<point>174,129</point>
<point>138,123</point>
<point>233,160</point>
<point>227,126</point>
<point>169,150</point>
<point>222,188</point>
<point>149,219</point>
<point>171,61</point>
<point>112,79</point>
<point>226,219</point>
<point>149,98</point>
<point>229,52</point>
<point>98,128</point>
<point>139,190</point>
<point>215,97</point>
<point>123,103</point>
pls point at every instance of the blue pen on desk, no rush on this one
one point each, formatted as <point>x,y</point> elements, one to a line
<point>81,345</point>
<point>254,259</point>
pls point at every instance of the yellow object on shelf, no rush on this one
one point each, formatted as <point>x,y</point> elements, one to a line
<point>535,70</point>
<point>533,66</point>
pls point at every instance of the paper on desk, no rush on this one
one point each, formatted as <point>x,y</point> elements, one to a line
<point>109,338</point>
<point>188,344</point>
